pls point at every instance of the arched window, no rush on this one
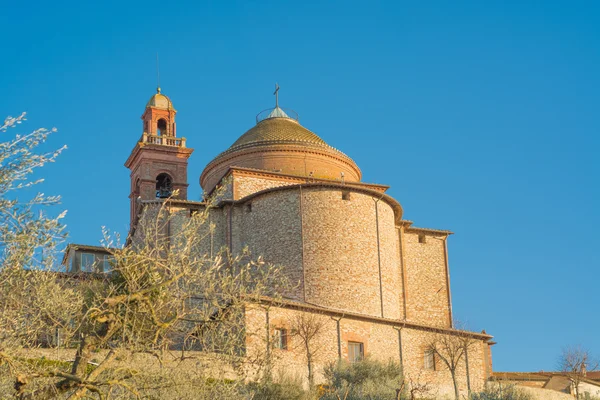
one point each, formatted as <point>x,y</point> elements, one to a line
<point>162,127</point>
<point>164,186</point>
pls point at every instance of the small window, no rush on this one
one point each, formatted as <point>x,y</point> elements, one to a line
<point>429,360</point>
<point>356,351</point>
<point>108,263</point>
<point>249,207</point>
<point>87,262</point>
<point>422,239</point>
<point>280,339</point>
<point>346,195</point>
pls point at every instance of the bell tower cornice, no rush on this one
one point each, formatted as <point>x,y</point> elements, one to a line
<point>158,161</point>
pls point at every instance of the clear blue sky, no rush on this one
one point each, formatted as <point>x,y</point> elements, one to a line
<point>482,116</point>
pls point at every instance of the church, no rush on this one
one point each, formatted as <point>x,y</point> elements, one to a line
<point>380,283</point>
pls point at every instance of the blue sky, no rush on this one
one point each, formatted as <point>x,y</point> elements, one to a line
<point>481,116</point>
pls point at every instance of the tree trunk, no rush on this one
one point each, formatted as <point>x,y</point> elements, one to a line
<point>467,371</point>
<point>456,392</point>
<point>309,365</point>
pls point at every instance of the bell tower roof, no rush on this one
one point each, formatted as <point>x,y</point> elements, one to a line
<point>160,101</point>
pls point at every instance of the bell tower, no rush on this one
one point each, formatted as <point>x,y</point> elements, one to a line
<point>159,160</point>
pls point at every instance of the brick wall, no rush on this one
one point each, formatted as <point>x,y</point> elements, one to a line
<point>426,285</point>
<point>380,342</point>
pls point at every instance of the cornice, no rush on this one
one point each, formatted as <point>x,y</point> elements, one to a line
<point>286,303</point>
<point>281,146</point>
<point>259,173</point>
<point>185,151</point>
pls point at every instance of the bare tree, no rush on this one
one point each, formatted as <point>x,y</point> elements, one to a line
<point>417,388</point>
<point>308,327</point>
<point>451,348</point>
<point>574,362</point>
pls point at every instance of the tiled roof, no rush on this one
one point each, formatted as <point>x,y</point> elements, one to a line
<point>278,129</point>
<point>593,375</point>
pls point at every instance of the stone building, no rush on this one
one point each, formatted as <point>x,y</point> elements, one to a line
<point>380,284</point>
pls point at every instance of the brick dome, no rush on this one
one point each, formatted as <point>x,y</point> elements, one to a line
<point>277,130</point>
<point>279,143</point>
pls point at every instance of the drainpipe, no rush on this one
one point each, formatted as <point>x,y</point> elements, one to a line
<point>379,254</point>
<point>400,347</point>
<point>402,268</point>
<point>467,370</point>
<point>302,244</point>
<point>339,335</point>
<point>267,322</point>
<point>448,282</point>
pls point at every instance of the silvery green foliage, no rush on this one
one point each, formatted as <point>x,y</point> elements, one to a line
<point>501,392</point>
<point>28,235</point>
<point>34,303</point>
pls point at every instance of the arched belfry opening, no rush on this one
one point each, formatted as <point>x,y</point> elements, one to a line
<point>164,186</point>
<point>159,160</point>
<point>161,126</point>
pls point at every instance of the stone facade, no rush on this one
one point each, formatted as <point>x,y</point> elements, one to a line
<point>426,280</point>
<point>383,339</point>
<point>354,263</point>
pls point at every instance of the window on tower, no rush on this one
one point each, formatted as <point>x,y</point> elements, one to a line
<point>164,186</point>
<point>162,127</point>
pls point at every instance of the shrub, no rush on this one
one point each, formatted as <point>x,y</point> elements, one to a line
<point>285,389</point>
<point>500,392</point>
<point>367,379</point>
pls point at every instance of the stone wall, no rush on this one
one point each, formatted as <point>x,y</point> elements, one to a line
<point>347,247</point>
<point>380,340</point>
<point>427,291</point>
<point>247,185</point>
<point>270,226</point>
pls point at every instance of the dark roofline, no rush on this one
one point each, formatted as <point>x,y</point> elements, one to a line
<point>398,211</point>
<point>537,376</point>
<point>75,246</point>
<point>232,169</point>
<point>288,303</point>
<point>409,228</point>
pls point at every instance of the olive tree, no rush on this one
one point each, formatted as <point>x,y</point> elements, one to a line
<point>165,297</point>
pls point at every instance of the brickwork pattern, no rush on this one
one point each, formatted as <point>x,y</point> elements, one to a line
<point>425,280</point>
<point>380,343</point>
<point>246,185</point>
<point>270,226</point>
<point>341,254</point>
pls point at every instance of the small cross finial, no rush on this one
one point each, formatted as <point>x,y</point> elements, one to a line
<point>276,93</point>
<point>157,75</point>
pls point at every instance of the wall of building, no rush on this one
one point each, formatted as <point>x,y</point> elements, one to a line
<point>247,185</point>
<point>427,291</point>
<point>380,341</point>
<point>348,245</point>
<point>270,226</point>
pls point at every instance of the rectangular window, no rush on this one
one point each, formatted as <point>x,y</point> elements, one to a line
<point>422,239</point>
<point>280,339</point>
<point>107,263</point>
<point>429,360</point>
<point>87,262</point>
<point>356,351</point>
